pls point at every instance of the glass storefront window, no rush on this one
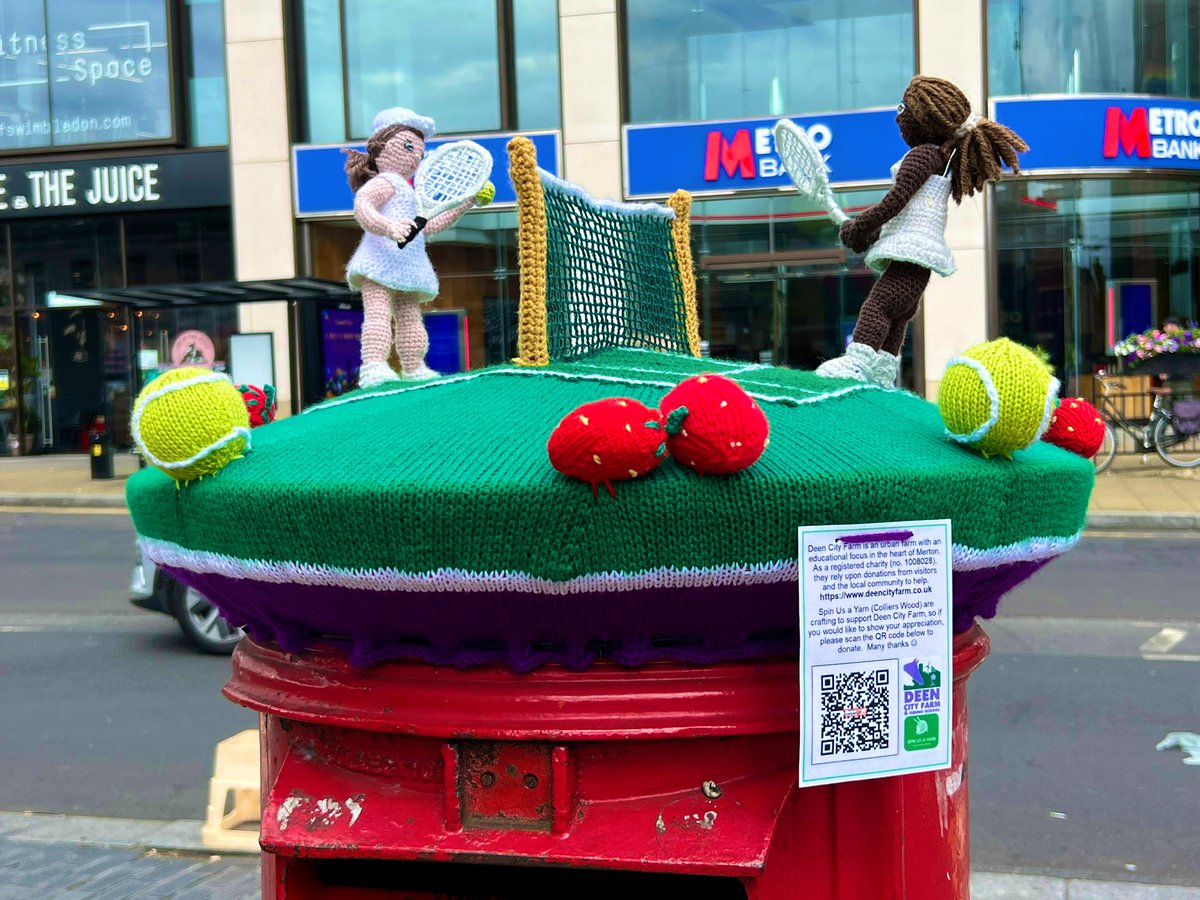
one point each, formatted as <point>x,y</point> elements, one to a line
<point>208,110</point>
<point>1094,47</point>
<point>1081,263</point>
<point>774,284</point>
<point>62,254</point>
<point>25,99</point>
<point>394,57</point>
<point>320,37</point>
<point>535,32</point>
<point>694,60</point>
<point>81,361</point>
<point>34,389</point>
<point>111,74</point>
<point>76,72</point>
<point>442,59</point>
<point>163,248</point>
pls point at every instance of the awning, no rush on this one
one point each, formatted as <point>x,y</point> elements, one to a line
<point>176,295</point>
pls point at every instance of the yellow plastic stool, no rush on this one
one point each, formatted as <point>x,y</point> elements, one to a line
<point>235,769</point>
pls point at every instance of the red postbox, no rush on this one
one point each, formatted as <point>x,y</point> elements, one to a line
<point>415,781</point>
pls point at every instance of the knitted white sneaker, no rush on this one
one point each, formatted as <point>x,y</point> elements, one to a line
<point>374,373</point>
<point>858,362</point>
<point>887,369</point>
<point>422,374</point>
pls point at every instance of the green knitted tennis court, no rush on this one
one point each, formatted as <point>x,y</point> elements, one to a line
<point>453,474</point>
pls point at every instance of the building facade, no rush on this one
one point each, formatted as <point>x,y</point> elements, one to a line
<point>113,175</point>
<point>634,98</point>
<point>1095,239</point>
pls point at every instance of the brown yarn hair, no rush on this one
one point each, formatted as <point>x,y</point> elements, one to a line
<point>939,110</point>
<point>361,167</point>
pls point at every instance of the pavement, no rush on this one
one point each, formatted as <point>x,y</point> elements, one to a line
<point>90,857</point>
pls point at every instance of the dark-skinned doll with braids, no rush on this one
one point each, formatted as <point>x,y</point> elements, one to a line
<point>953,154</point>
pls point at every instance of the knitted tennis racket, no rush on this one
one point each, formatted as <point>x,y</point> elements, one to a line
<point>448,177</point>
<point>806,167</point>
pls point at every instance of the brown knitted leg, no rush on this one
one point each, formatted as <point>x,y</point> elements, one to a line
<point>892,302</point>
<point>411,338</point>
<point>894,342</point>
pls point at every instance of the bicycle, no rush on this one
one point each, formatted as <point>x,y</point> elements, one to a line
<point>1162,433</point>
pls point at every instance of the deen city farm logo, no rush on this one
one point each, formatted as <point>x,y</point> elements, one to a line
<point>922,702</point>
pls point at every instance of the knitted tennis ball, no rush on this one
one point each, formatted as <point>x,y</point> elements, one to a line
<point>606,441</point>
<point>1076,426</point>
<point>713,426</point>
<point>190,422</point>
<point>996,397</point>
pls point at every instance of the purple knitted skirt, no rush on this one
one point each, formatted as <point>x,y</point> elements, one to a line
<point>525,630</point>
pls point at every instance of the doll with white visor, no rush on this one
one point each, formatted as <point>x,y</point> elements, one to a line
<point>395,280</point>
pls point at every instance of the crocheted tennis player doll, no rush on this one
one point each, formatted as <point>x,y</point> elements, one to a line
<point>394,280</point>
<point>954,153</point>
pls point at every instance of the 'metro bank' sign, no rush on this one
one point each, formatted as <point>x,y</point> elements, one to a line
<point>1152,132</point>
<point>1065,134</point>
<point>1104,132</point>
<point>723,157</point>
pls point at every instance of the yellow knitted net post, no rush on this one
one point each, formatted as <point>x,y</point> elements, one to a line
<point>532,348</point>
<point>681,233</point>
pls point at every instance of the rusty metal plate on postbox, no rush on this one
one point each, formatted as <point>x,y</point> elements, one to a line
<point>505,785</point>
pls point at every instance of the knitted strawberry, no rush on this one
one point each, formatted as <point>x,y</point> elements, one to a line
<point>713,426</point>
<point>1076,426</point>
<point>260,403</point>
<point>606,441</point>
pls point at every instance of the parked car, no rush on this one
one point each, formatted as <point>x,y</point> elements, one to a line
<point>198,619</point>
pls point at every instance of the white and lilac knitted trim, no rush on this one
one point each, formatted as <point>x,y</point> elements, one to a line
<point>203,562</point>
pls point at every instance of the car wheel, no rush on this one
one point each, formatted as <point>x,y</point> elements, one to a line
<point>201,622</point>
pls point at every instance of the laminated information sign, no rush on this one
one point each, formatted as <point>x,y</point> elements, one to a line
<point>875,650</point>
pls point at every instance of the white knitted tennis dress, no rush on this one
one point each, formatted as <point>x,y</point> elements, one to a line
<point>918,233</point>
<point>379,259</point>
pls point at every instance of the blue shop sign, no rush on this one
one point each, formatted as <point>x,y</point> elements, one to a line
<point>319,171</point>
<point>1104,132</point>
<point>719,157</point>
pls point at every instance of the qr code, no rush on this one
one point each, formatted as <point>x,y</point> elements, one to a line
<point>855,711</point>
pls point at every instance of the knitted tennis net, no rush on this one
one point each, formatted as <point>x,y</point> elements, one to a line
<point>597,273</point>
